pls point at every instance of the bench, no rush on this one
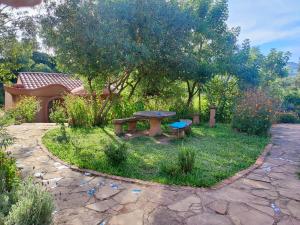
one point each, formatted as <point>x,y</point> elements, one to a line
<point>181,127</point>
<point>118,123</point>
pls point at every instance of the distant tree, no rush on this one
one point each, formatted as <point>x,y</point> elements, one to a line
<point>13,51</point>
<point>44,62</point>
<point>274,66</point>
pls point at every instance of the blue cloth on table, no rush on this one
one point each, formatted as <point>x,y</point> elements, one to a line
<point>178,125</point>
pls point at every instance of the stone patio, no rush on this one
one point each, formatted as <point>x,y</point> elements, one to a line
<point>269,195</point>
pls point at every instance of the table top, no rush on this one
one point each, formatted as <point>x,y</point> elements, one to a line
<point>154,114</point>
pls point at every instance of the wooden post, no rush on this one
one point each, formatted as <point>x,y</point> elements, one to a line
<point>118,129</point>
<point>155,127</point>
<point>212,118</point>
<point>196,119</point>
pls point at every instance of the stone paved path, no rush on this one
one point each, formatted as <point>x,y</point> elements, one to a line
<point>268,195</point>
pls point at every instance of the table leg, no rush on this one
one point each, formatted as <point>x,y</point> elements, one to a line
<point>155,127</point>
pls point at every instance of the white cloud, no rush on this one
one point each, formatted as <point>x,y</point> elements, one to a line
<point>264,21</point>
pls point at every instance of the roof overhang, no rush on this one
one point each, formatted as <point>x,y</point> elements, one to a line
<point>46,91</point>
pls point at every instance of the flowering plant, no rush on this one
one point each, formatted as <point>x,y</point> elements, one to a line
<point>254,112</point>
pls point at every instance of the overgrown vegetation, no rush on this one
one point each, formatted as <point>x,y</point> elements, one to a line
<point>116,153</point>
<point>80,111</point>
<point>219,153</point>
<point>254,113</point>
<point>58,115</point>
<point>26,109</point>
<point>287,117</point>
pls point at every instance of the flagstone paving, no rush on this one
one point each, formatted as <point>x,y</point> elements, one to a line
<point>269,195</point>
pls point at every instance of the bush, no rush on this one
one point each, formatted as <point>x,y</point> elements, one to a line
<point>58,115</point>
<point>33,206</point>
<point>79,111</point>
<point>116,154</point>
<point>287,117</point>
<point>186,159</point>
<point>254,113</point>
<point>26,110</point>
<point>8,173</point>
<point>169,168</point>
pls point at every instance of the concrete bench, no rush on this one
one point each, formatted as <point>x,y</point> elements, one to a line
<point>131,121</point>
<point>182,127</point>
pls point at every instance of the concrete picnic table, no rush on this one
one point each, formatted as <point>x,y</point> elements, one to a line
<point>155,118</point>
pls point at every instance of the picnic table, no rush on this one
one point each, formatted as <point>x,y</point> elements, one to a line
<point>155,118</point>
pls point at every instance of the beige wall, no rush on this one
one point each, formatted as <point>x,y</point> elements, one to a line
<point>8,104</point>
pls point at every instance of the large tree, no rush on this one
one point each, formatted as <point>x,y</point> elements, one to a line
<point>14,26</point>
<point>117,43</point>
<point>213,44</point>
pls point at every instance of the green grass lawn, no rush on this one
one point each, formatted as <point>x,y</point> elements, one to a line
<point>220,153</point>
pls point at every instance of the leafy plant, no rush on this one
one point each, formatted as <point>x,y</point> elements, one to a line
<point>8,172</point>
<point>186,159</point>
<point>79,111</point>
<point>26,109</point>
<point>169,168</point>
<point>254,113</point>
<point>116,154</point>
<point>287,117</point>
<point>33,205</point>
<point>58,115</point>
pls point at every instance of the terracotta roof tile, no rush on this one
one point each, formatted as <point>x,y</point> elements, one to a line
<point>32,80</point>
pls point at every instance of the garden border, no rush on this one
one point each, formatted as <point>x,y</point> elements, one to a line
<point>259,161</point>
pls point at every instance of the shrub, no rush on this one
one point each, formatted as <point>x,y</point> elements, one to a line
<point>186,159</point>
<point>58,115</point>
<point>79,111</point>
<point>116,153</point>
<point>287,117</point>
<point>254,113</point>
<point>33,206</point>
<point>169,168</point>
<point>8,173</point>
<point>26,110</point>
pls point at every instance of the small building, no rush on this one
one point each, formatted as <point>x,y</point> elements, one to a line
<point>47,87</point>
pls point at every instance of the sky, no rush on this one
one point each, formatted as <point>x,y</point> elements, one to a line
<point>268,24</point>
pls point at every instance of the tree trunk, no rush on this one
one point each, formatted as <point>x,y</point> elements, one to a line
<point>192,91</point>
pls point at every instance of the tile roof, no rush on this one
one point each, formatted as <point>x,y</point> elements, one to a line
<point>32,80</point>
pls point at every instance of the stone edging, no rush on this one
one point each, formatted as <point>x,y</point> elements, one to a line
<point>260,160</point>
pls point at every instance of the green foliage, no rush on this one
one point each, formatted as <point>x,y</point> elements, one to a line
<point>58,115</point>
<point>254,113</point>
<point>274,66</point>
<point>186,159</point>
<point>26,109</point>
<point>33,205</point>
<point>221,92</point>
<point>287,117</point>
<point>43,62</point>
<point>79,111</point>
<point>5,138</point>
<point>116,153</point>
<point>14,52</point>
<point>169,168</point>
<point>126,107</point>
<point>8,173</point>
